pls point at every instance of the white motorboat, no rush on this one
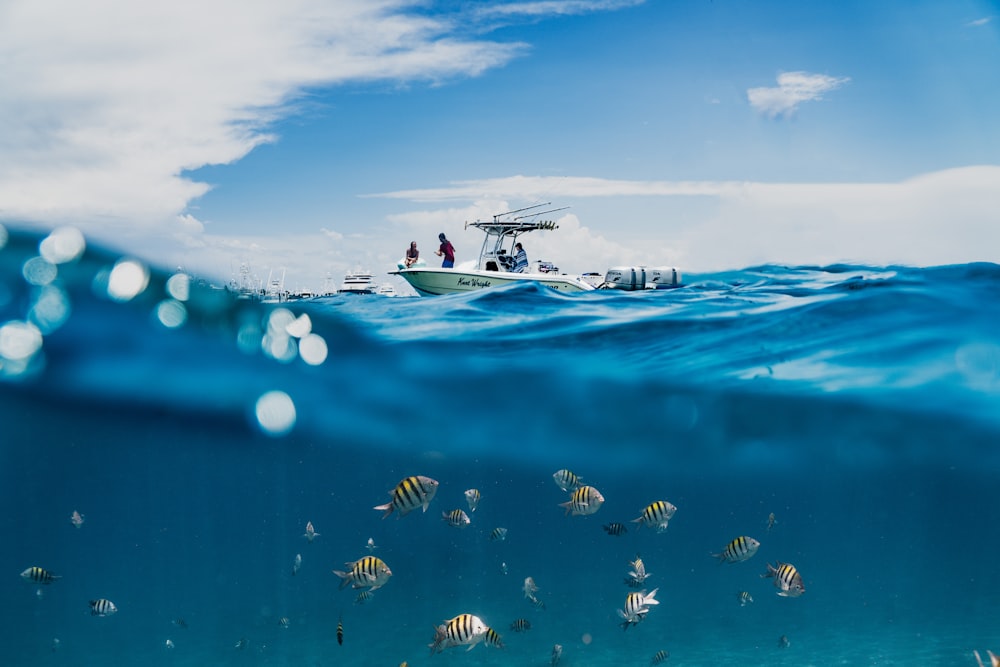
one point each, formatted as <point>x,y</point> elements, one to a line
<point>358,282</point>
<point>494,267</point>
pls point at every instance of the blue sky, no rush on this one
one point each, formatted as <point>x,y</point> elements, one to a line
<point>321,137</point>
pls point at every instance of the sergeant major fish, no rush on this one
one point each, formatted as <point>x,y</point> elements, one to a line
<point>463,630</point>
<point>297,564</point>
<point>739,550</point>
<point>412,492</point>
<point>744,597</point>
<point>368,572</point>
<point>656,514</point>
<point>102,607</point>
<point>566,480</point>
<point>456,518</point>
<point>472,497</point>
<point>492,638</point>
<point>615,529</point>
<point>787,579</point>
<point>520,625</point>
<point>311,533</point>
<point>660,656</point>
<point>498,535</point>
<point>584,501</point>
<point>39,575</point>
<point>637,606</point>
<point>76,519</point>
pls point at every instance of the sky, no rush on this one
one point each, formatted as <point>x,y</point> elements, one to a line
<point>312,138</point>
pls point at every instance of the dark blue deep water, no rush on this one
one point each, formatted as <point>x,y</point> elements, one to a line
<point>859,405</point>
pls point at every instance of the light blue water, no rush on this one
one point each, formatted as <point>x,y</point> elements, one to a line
<point>860,405</point>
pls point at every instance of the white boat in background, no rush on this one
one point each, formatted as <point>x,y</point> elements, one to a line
<point>494,267</point>
<point>358,282</point>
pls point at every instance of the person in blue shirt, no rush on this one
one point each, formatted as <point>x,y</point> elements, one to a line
<point>520,259</point>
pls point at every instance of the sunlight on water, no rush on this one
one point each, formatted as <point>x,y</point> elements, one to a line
<point>65,244</point>
<point>127,280</point>
<point>276,413</point>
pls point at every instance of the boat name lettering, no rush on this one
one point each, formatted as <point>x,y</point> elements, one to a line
<point>474,282</point>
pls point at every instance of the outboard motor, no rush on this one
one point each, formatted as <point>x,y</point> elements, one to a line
<point>626,277</point>
<point>662,277</point>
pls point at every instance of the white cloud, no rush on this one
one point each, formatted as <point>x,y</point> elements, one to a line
<point>555,7</point>
<point>793,89</point>
<point>106,103</point>
<point>979,22</point>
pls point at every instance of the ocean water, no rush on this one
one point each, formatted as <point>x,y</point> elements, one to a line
<point>197,434</point>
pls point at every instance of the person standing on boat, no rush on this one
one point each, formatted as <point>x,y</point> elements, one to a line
<point>520,259</point>
<point>412,255</point>
<point>447,250</point>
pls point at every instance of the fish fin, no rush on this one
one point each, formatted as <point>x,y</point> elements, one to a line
<point>387,508</point>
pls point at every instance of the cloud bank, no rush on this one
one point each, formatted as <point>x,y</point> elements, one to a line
<point>793,89</point>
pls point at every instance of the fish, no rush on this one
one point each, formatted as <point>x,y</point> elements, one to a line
<point>535,602</point>
<point>284,622</point>
<point>787,579</point>
<point>102,607</point>
<point>638,573</point>
<point>637,606</point>
<point>994,660</point>
<point>584,501</point>
<point>169,644</point>
<point>498,535</point>
<point>363,597</point>
<point>39,575</point>
<point>297,564</point>
<point>371,545</point>
<point>740,549</point>
<point>456,518</point>
<point>556,654</point>
<point>472,497</point>
<point>659,656</point>
<point>783,642</point>
<point>615,529</point>
<point>412,492</point>
<point>369,571</point>
<point>657,514</point>
<point>463,630</point>
<point>520,625</point>
<point>492,638</point>
<point>311,533</point>
<point>529,587</point>
<point>241,644</point>
<point>76,519</point>
<point>771,521</point>
<point>566,480</point>
<point>340,631</point>
<point>180,623</point>
<point>745,598</point>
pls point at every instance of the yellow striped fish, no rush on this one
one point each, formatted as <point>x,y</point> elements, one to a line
<point>456,518</point>
<point>745,598</point>
<point>472,496</point>
<point>660,656</point>
<point>787,579</point>
<point>463,630</point>
<point>39,575</point>
<point>739,550</point>
<point>102,607</point>
<point>566,480</point>
<point>656,515</point>
<point>637,606</point>
<point>583,501</point>
<point>369,571</point>
<point>411,493</point>
<point>492,638</point>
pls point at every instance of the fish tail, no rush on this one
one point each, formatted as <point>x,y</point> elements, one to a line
<point>387,509</point>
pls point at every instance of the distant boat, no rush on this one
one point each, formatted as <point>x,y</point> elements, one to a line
<point>359,282</point>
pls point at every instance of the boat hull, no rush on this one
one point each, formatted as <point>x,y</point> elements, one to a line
<point>436,282</point>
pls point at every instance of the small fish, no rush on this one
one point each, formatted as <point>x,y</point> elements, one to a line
<point>994,660</point>
<point>783,642</point>
<point>463,630</point>
<point>520,625</point>
<point>472,497</point>
<point>456,518</point>
<point>637,606</point>
<point>311,533</point>
<point>241,644</point>
<point>39,575</point>
<point>529,587</point>
<point>787,579</point>
<point>363,597</point>
<point>284,622</point>
<point>369,571</point>
<point>566,480</point>
<point>584,501</point>
<point>745,598</point>
<point>180,623</point>
<point>492,638</point>
<point>498,535</point>
<point>638,575</point>
<point>771,521</point>
<point>535,602</point>
<point>739,550</point>
<point>297,564</point>
<point>371,545</point>
<point>615,529</point>
<point>659,656</point>
<point>102,607</point>
<point>556,654</point>
<point>340,631</point>
<point>657,514</point>
<point>169,644</point>
<point>76,519</point>
<point>503,568</point>
<point>411,493</point>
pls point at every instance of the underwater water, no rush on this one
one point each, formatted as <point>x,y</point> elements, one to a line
<point>197,434</point>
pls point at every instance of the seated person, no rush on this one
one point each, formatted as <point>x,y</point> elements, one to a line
<point>412,255</point>
<point>520,259</point>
